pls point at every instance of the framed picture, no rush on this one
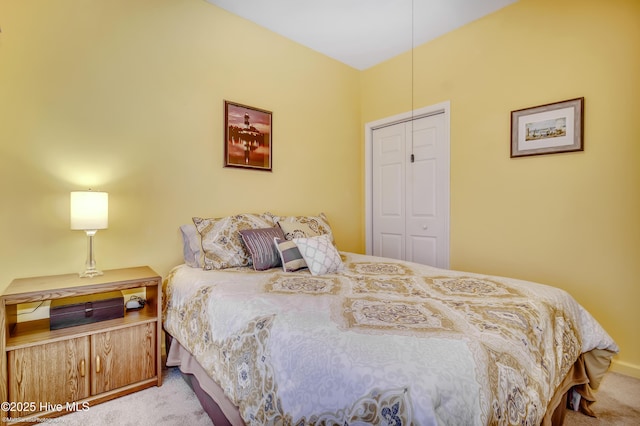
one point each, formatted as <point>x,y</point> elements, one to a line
<point>547,129</point>
<point>247,137</point>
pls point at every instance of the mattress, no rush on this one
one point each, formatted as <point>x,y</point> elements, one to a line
<point>381,342</point>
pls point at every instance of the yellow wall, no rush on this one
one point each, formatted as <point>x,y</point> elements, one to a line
<point>128,97</point>
<point>569,220</point>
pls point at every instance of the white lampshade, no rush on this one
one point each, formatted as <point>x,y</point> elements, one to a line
<point>89,210</point>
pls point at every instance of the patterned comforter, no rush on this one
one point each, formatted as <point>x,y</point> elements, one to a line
<point>381,342</point>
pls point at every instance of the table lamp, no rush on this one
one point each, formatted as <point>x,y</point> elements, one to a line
<point>89,212</point>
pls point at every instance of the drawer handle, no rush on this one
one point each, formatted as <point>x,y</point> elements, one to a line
<point>98,364</point>
<point>82,372</point>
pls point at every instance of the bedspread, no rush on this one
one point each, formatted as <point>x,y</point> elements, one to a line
<point>380,342</point>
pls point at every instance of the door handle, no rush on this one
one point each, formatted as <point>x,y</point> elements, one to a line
<point>98,364</point>
<point>82,365</point>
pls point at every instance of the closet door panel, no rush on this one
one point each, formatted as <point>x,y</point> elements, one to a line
<point>389,198</point>
<point>423,249</point>
<point>421,220</point>
<point>422,227</point>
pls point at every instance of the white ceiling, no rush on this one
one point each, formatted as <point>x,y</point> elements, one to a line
<point>361,33</point>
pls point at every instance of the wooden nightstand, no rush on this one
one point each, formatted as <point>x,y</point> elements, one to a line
<point>46,373</point>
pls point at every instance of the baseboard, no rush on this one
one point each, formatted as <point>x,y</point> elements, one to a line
<point>625,368</point>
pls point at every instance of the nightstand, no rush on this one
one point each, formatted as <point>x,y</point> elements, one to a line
<point>46,373</point>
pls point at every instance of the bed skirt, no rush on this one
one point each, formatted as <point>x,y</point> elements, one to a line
<point>211,396</point>
<point>584,377</point>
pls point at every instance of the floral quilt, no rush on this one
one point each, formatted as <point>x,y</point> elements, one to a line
<point>381,342</point>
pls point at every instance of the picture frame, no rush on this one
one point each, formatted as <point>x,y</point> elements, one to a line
<point>247,137</point>
<point>548,129</point>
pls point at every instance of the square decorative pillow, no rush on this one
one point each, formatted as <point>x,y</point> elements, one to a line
<point>319,254</point>
<point>293,230</point>
<point>262,247</point>
<point>289,255</point>
<point>191,246</point>
<point>221,242</point>
<point>303,226</point>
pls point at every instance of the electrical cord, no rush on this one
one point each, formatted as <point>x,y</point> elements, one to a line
<point>33,310</point>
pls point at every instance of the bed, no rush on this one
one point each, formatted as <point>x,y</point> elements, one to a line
<point>370,340</point>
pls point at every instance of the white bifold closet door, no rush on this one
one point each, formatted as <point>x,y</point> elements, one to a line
<point>410,191</point>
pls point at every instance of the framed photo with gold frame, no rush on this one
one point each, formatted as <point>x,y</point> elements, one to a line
<point>247,137</point>
<point>548,129</point>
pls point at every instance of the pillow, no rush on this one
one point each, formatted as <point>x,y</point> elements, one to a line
<point>289,255</point>
<point>221,242</point>
<point>191,246</point>
<point>293,230</point>
<point>303,226</point>
<point>261,246</point>
<point>319,254</point>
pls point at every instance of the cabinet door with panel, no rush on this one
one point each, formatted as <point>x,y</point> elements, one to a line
<point>54,373</point>
<point>122,357</point>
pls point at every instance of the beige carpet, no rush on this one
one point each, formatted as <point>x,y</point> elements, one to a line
<point>617,404</point>
<point>175,404</point>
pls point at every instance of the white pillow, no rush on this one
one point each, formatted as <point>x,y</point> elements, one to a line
<point>191,246</point>
<point>319,254</point>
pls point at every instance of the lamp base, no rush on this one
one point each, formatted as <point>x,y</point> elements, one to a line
<point>90,273</point>
<point>90,267</point>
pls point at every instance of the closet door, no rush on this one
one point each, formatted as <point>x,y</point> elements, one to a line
<point>427,194</point>
<point>411,191</point>
<point>389,175</point>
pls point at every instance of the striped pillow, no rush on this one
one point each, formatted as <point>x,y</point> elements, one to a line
<point>261,247</point>
<point>289,255</point>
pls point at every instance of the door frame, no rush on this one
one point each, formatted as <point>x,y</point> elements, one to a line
<point>439,108</point>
